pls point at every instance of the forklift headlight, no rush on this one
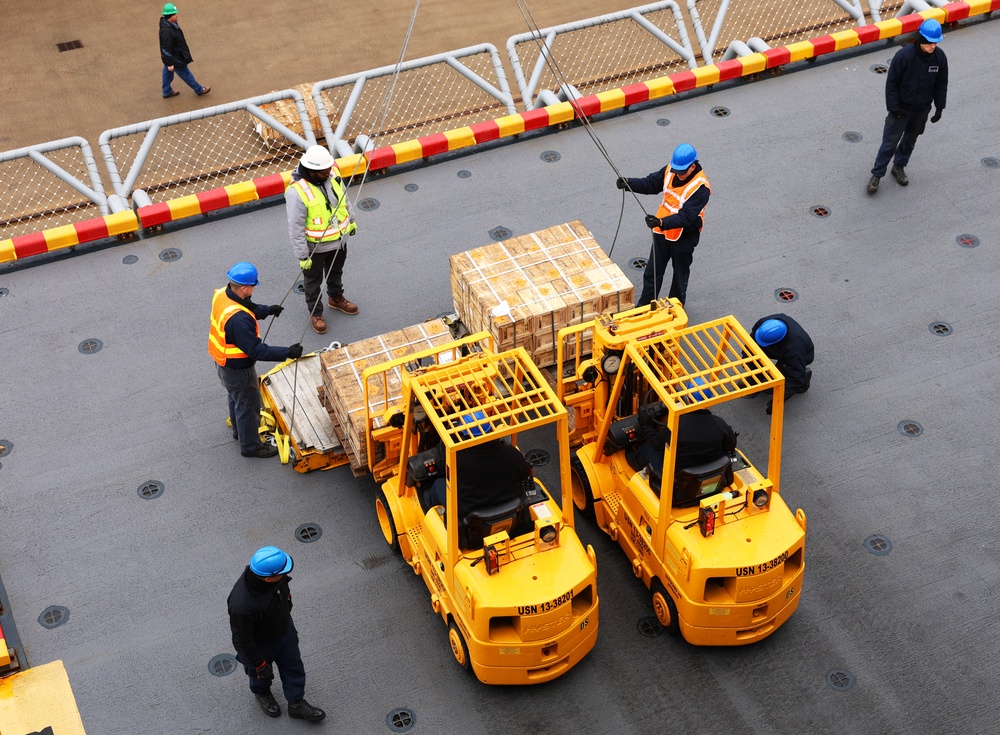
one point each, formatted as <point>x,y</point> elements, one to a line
<point>548,534</point>
<point>760,498</point>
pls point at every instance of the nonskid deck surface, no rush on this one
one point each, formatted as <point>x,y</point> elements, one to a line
<point>896,439</point>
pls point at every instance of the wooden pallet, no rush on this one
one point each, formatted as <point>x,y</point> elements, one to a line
<point>525,289</point>
<point>285,112</point>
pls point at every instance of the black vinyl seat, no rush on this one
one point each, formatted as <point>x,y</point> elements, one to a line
<point>691,484</point>
<point>507,516</point>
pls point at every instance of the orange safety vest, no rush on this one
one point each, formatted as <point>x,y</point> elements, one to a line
<point>674,196</point>
<point>322,225</point>
<point>223,308</point>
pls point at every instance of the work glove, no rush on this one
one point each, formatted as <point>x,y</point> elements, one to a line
<point>275,309</point>
<point>352,229</point>
<point>621,183</point>
<point>652,221</point>
<point>295,351</point>
<point>937,115</point>
<point>306,264</point>
<point>896,113</point>
<point>264,672</point>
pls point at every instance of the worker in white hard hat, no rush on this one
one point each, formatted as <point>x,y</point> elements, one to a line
<point>319,224</point>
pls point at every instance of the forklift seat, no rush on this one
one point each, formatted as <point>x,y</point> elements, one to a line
<point>691,484</point>
<point>507,516</point>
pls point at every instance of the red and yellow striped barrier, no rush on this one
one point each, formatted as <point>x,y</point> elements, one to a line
<point>504,127</point>
<point>67,236</point>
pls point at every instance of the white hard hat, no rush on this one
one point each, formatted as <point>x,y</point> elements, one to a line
<point>317,158</point>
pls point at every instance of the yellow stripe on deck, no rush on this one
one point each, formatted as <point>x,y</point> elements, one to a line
<point>39,698</point>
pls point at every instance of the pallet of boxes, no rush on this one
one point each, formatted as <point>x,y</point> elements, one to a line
<point>343,391</point>
<point>525,289</point>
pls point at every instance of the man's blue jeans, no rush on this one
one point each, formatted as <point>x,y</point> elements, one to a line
<point>186,76</point>
<point>898,138</point>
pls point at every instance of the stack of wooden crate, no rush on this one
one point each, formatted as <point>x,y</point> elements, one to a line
<point>285,112</point>
<point>344,391</point>
<point>525,289</point>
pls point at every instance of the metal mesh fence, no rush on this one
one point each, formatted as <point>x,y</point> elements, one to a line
<point>606,56</point>
<point>204,154</point>
<point>33,198</point>
<point>777,23</point>
<point>425,100</point>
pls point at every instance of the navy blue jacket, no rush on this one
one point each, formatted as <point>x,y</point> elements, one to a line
<point>791,354</point>
<point>259,613</point>
<point>916,79</point>
<point>687,218</point>
<point>241,330</point>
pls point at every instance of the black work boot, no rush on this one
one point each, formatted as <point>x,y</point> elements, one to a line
<point>873,184</point>
<point>300,709</point>
<point>899,175</point>
<point>267,703</point>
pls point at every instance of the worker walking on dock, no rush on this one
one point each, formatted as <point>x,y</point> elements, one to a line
<point>235,345</point>
<point>175,55</point>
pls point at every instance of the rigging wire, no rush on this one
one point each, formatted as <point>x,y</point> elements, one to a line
<point>553,65</point>
<point>378,125</point>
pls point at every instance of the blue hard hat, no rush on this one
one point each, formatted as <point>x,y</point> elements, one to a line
<point>684,156</point>
<point>243,274</point>
<point>270,560</point>
<point>771,331</point>
<point>699,395</point>
<point>930,30</point>
<point>475,430</point>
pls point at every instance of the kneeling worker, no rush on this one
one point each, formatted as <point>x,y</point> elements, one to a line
<point>791,349</point>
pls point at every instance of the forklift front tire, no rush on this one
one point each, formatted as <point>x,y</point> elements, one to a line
<point>385,521</point>
<point>583,496</point>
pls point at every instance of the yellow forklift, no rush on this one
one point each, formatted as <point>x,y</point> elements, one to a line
<point>512,582</point>
<point>716,544</point>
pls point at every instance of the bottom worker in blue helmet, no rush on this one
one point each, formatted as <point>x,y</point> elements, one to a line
<point>677,223</point>
<point>235,345</point>
<point>260,616</point>
<point>789,347</point>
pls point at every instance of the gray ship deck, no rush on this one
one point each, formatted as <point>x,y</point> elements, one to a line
<point>146,580</point>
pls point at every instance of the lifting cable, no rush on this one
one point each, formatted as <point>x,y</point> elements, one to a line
<point>375,133</point>
<point>550,61</point>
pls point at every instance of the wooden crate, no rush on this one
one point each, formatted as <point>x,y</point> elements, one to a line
<point>285,112</point>
<point>525,289</point>
<point>344,393</point>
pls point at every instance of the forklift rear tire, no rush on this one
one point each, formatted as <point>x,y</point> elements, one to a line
<point>459,648</point>
<point>665,609</point>
<point>583,496</point>
<point>385,521</point>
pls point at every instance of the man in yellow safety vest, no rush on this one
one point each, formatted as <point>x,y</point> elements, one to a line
<point>319,223</point>
<point>677,223</point>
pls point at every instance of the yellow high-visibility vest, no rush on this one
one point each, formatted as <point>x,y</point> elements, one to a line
<point>223,308</point>
<point>322,224</point>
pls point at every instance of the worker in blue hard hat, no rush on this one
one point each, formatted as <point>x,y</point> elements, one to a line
<point>702,436</point>
<point>677,223</point>
<point>260,617</point>
<point>918,77</point>
<point>790,348</point>
<point>234,343</point>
